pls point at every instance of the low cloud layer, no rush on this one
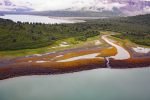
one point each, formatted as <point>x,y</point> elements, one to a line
<point>126,6</point>
<point>40,5</point>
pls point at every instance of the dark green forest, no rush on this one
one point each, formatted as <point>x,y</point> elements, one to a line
<point>136,28</point>
<point>19,35</point>
<point>14,36</point>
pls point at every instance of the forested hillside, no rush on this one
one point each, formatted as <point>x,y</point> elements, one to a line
<point>24,35</point>
<point>18,35</point>
<point>136,28</point>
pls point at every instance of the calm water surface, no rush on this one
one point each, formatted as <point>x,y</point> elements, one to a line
<point>99,84</point>
<point>39,19</point>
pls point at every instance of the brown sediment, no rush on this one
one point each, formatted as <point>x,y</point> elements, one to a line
<point>112,51</point>
<point>22,66</point>
<point>23,69</point>
<point>50,68</point>
<point>79,53</point>
<point>130,63</point>
<point>66,54</point>
<point>29,66</point>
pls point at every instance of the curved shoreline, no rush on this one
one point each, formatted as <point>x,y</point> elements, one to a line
<point>121,60</point>
<point>27,70</point>
<point>121,52</point>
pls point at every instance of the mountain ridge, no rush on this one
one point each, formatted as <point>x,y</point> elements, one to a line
<point>118,7</point>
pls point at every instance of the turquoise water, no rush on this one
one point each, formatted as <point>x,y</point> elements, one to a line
<point>99,84</point>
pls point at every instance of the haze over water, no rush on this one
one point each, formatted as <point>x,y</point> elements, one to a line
<point>39,19</point>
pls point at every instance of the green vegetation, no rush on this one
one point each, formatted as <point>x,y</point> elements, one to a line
<point>14,36</point>
<point>17,36</point>
<point>136,29</point>
<point>71,41</point>
<point>138,38</point>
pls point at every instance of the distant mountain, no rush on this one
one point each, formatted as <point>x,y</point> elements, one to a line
<point>127,7</point>
<point>78,13</point>
<point>9,6</point>
<point>102,8</point>
<point>78,8</point>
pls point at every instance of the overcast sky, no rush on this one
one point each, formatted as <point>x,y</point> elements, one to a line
<point>40,5</point>
<point>50,4</point>
<point>62,4</point>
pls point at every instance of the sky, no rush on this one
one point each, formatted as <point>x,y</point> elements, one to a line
<point>50,4</point>
<point>43,5</point>
<point>40,5</point>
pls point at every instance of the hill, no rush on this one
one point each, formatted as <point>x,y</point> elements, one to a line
<point>134,28</point>
<point>14,36</point>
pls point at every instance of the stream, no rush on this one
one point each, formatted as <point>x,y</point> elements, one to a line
<point>97,84</point>
<point>122,53</point>
<point>107,62</point>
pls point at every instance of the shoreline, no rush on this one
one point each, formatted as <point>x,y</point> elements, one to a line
<point>49,64</point>
<point>26,70</point>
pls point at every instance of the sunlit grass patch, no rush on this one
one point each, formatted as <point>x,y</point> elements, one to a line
<point>71,41</point>
<point>78,53</point>
<point>111,51</point>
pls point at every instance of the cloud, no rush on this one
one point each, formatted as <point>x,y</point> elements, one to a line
<point>147,9</point>
<point>125,6</point>
<point>40,5</point>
